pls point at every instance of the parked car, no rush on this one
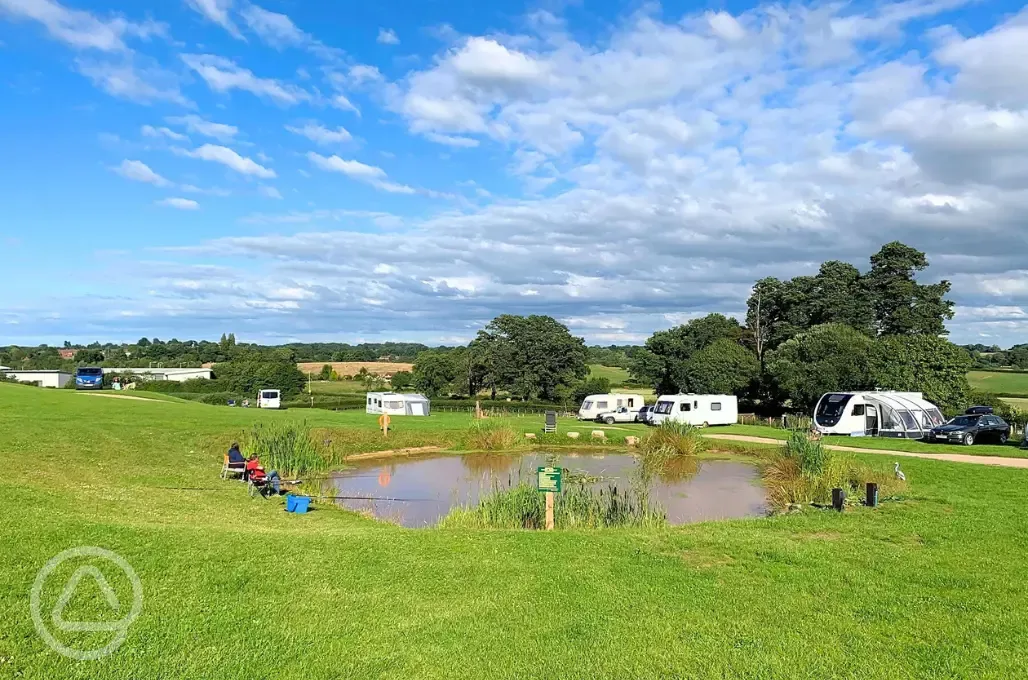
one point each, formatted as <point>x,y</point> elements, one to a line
<point>646,414</point>
<point>972,428</point>
<point>621,415</point>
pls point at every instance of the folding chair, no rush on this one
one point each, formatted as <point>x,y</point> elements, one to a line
<point>551,422</point>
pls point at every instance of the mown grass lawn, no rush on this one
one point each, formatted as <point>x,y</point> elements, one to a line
<point>1009,450</point>
<point>928,586</point>
<point>614,374</point>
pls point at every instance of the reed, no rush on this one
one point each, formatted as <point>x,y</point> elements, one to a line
<point>490,435</point>
<point>578,506</point>
<point>288,448</point>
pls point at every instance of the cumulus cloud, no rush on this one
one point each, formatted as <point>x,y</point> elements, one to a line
<point>138,171</point>
<point>224,75</point>
<point>320,134</point>
<point>230,159</point>
<point>198,125</point>
<point>387,36</point>
<point>79,28</point>
<point>179,203</point>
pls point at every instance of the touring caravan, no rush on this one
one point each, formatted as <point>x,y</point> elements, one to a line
<point>876,414</point>
<point>269,399</point>
<point>696,409</point>
<point>595,404</point>
<point>398,404</point>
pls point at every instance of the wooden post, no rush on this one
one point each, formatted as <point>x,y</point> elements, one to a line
<point>549,511</point>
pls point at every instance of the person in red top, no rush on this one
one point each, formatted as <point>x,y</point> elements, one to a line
<point>253,470</point>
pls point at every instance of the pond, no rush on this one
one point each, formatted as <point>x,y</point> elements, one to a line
<point>419,491</point>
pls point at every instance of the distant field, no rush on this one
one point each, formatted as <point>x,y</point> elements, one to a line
<point>337,387</point>
<point>999,382</point>
<point>354,367</point>
<point>1017,403</point>
<point>616,376</point>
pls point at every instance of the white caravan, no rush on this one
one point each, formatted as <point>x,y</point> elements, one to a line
<point>905,415</point>
<point>595,404</point>
<point>696,409</point>
<point>398,404</point>
<point>269,399</point>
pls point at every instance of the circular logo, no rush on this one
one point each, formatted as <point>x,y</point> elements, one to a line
<point>119,628</point>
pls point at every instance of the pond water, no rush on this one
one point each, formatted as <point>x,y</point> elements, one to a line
<point>419,491</point>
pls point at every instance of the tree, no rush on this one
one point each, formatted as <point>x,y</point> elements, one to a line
<point>402,380</point>
<point>253,370</point>
<point>828,358</point>
<point>902,306</point>
<point>590,386</point>
<point>921,363</point>
<point>326,372</point>
<point>531,355</point>
<point>668,352</point>
<point>723,367</point>
<point>433,372</point>
<point>839,296</point>
<point>89,356</point>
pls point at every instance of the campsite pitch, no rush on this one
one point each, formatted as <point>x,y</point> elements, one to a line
<point>234,587</point>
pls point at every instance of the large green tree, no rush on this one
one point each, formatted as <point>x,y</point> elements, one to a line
<point>921,363</point>
<point>530,355</point>
<point>902,306</point>
<point>253,370</point>
<point>826,358</point>
<point>722,367</point>
<point>433,372</point>
<point>667,352</point>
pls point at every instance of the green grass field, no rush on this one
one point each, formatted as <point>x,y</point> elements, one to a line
<point>999,382</point>
<point>1009,450</point>
<point>615,375</point>
<point>236,588</point>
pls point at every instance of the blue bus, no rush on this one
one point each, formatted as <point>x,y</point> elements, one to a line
<point>89,378</point>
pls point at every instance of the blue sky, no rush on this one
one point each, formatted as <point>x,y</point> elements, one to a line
<point>293,170</point>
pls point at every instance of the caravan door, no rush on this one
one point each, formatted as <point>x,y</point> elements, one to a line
<point>871,420</point>
<point>417,408</point>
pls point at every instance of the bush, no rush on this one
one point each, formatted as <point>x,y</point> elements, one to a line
<point>194,386</point>
<point>288,448</point>
<point>490,435</point>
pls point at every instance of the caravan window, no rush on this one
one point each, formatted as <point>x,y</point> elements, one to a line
<point>908,420</point>
<point>715,406</point>
<point>631,403</point>
<point>858,409</point>
<point>394,404</point>
<point>685,406</point>
<point>663,407</point>
<point>369,401</point>
<point>586,405</point>
<point>833,405</point>
<point>621,402</point>
<point>601,404</point>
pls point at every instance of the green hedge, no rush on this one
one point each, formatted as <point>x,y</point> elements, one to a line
<point>194,386</point>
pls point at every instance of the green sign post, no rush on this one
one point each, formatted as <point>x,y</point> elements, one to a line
<point>549,479</point>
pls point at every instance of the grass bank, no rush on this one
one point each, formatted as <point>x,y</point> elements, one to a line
<point>236,588</point>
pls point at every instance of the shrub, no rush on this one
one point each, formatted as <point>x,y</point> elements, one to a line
<point>490,435</point>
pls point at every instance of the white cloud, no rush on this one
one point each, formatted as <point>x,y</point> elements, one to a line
<point>79,28</point>
<point>123,79</point>
<point>342,103</point>
<point>216,11</point>
<point>179,203</point>
<point>224,75</point>
<point>198,125</point>
<point>725,26</point>
<point>452,140</point>
<point>321,135</point>
<point>269,192</point>
<point>278,30</point>
<point>159,132</point>
<point>230,159</point>
<point>354,169</point>
<point>387,36</point>
<point>137,171</point>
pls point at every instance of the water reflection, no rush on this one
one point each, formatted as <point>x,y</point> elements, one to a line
<point>418,492</point>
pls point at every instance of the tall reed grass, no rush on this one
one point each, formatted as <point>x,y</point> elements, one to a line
<point>288,448</point>
<point>578,506</point>
<point>670,451</point>
<point>489,435</point>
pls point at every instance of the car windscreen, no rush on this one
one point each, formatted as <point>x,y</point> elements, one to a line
<point>833,405</point>
<point>964,421</point>
<point>90,371</point>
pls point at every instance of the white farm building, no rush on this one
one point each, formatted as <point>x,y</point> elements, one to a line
<point>398,404</point>
<point>42,378</point>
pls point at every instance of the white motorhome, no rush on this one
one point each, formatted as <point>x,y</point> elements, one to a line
<point>595,404</point>
<point>906,415</point>
<point>696,409</point>
<point>398,404</point>
<point>269,399</point>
